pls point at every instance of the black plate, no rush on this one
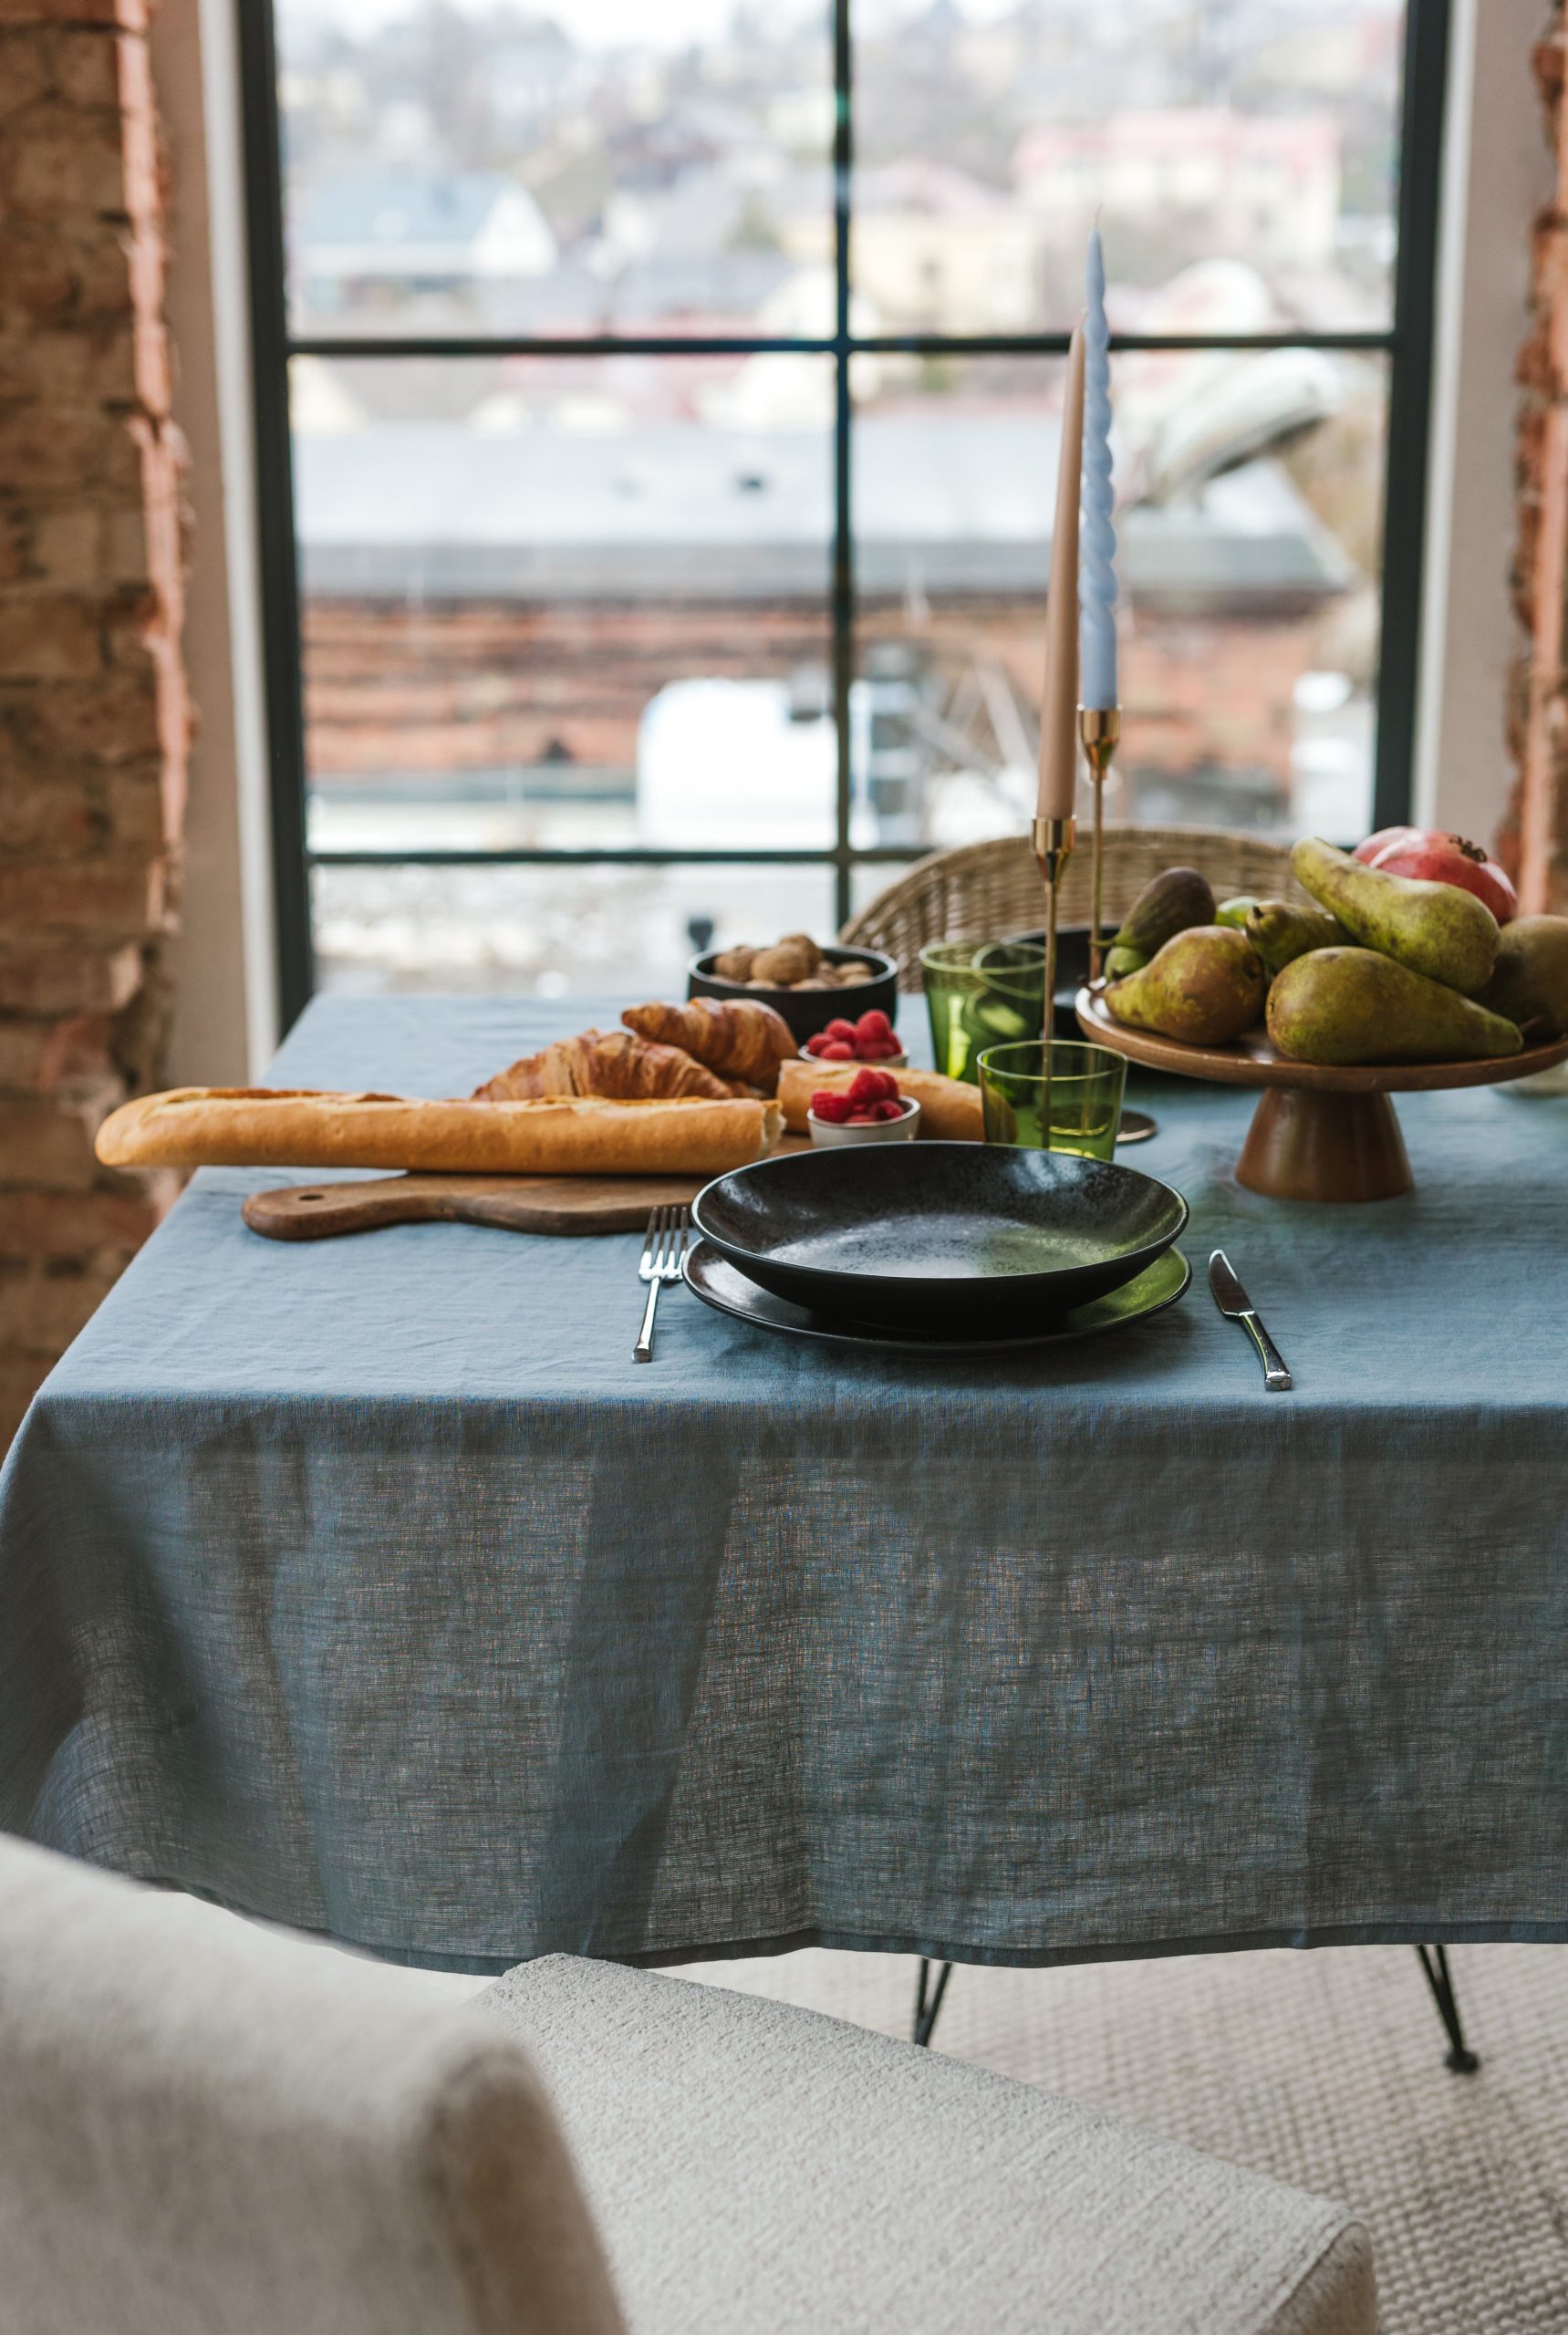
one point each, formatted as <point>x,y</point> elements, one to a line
<point>721,1284</point>
<point>961,1239</point>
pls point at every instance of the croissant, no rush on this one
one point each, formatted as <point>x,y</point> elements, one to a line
<point>738,1037</point>
<point>608,1062</point>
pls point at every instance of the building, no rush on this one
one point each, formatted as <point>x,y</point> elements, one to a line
<point>1263,187</point>
<point>363,241</point>
<point>476,612</point>
<point>936,249</point>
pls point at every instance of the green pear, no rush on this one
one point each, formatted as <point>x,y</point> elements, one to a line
<point>1174,900</point>
<point>1205,986</point>
<point>1236,911</point>
<point>1280,932</point>
<point>1121,961</point>
<point>1353,1005</point>
<point>1436,930</point>
<point>1530,980</point>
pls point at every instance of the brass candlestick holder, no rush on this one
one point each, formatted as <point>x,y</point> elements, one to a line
<point>1052,841</point>
<point>1100,728</point>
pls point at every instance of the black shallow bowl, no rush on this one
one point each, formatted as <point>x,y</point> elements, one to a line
<point>969,1238</point>
<point>807,1011</point>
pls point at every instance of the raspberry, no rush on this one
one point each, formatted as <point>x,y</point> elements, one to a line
<point>879,1052</point>
<point>874,1025</point>
<point>890,1110</point>
<point>831,1106</point>
<point>866,1086</point>
<point>815,1045</point>
<point>841,1029</point>
<point>836,1051</point>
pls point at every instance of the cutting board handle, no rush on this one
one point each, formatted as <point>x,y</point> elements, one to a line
<point>557,1204</point>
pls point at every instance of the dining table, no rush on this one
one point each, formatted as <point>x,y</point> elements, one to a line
<point>370,1586</point>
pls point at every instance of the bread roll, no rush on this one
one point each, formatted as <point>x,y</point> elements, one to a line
<point>612,1063</point>
<point>738,1037</point>
<point>949,1111</point>
<point>245,1126</point>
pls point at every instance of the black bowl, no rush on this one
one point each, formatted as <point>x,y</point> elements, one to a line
<point>967,1237</point>
<point>807,1011</point>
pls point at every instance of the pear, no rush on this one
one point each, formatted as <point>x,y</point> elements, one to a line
<point>1280,932</point>
<point>1436,930</point>
<point>1205,986</point>
<point>1172,903</point>
<point>1122,961</point>
<point>1353,1005</point>
<point>1236,911</point>
<point>1530,980</point>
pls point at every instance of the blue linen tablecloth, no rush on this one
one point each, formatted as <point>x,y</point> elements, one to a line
<point>369,1584</point>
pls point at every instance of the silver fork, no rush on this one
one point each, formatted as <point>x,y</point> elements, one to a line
<point>663,1252</point>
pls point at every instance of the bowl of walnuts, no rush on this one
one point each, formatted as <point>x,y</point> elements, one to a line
<point>808,985</point>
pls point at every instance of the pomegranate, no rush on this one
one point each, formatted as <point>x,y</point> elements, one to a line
<point>1367,852</point>
<point>1449,859</point>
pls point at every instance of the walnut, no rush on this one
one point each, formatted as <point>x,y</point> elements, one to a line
<point>807,947</point>
<point>781,966</point>
<point>852,976</point>
<point>734,964</point>
<point>816,980</point>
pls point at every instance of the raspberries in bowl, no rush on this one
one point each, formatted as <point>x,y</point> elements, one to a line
<point>871,1109</point>
<point>871,1038</point>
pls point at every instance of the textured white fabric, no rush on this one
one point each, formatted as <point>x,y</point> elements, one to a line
<point>210,2130</point>
<point>206,2129</point>
<point>1324,2069</point>
<point>758,2169</point>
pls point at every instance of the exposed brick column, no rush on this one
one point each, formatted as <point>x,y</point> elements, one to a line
<point>93,711</point>
<point>1533,842</point>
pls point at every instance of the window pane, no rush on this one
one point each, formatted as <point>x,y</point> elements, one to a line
<point>550,931</point>
<point>1249,531</point>
<point>577,167</point>
<point>1241,155</point>
<point>551,602</point>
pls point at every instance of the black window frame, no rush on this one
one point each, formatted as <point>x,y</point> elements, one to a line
<point>1406,344</point>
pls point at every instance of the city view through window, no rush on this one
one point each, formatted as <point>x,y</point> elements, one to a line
<point>575,592</point>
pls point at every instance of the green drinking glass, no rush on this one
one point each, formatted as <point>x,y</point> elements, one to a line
<point>1085,1090</point>
<point>972,1007</point>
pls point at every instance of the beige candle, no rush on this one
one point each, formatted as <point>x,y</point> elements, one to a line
<point>1059,710</point>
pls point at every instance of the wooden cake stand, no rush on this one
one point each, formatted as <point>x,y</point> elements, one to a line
<point>1321,1131</point>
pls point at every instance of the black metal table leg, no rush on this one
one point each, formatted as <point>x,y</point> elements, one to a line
<point>928,1998</point>
<point>1435,1968</point>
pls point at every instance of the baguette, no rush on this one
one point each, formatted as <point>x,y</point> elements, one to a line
<point>949,1111</point>
<point>245,1126</point>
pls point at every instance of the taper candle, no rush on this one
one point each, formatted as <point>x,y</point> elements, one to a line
<point>1059,707</point>
<point>1097,579</point>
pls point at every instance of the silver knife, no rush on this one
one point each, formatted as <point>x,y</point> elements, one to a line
<point>1237,1306</point>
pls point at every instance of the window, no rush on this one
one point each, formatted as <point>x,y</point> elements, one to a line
<point>657,418</point>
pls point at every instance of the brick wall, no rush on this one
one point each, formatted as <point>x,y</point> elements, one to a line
<point>1533,841</point>
<point>487,685</point>
<point>93,712</point>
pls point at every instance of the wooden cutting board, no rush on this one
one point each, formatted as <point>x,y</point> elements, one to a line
<point>509,1203</point>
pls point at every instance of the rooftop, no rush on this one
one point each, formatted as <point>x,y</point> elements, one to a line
<point>956,504</point>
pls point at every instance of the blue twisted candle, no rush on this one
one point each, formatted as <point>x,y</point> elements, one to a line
<point>1097,570</point>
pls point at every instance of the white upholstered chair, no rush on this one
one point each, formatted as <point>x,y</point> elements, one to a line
<point>207,2129</point>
